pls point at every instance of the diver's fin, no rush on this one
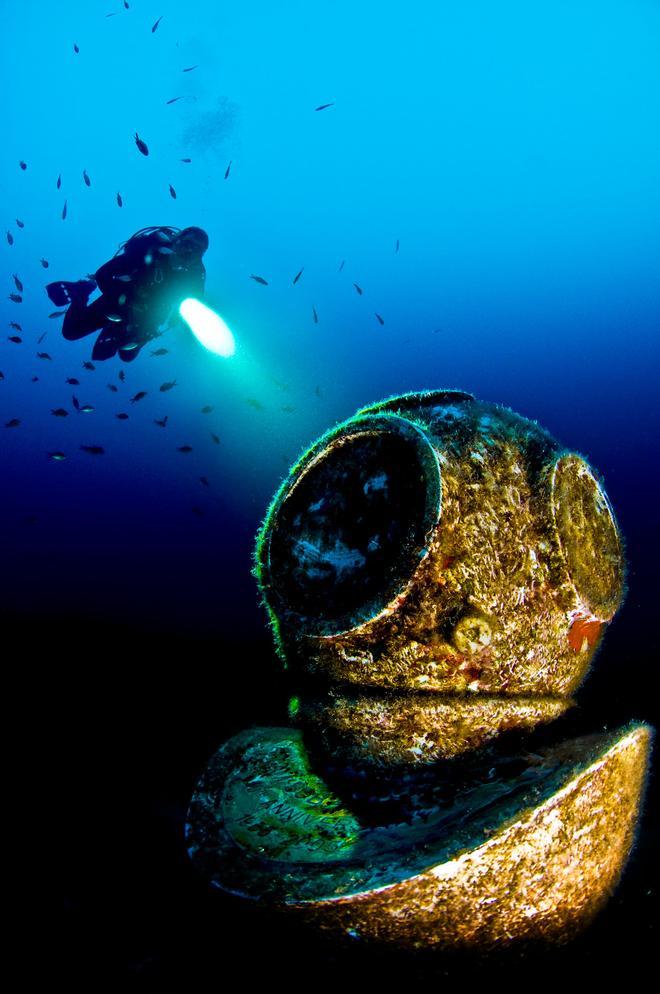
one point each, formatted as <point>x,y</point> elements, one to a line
<point>62,292</point>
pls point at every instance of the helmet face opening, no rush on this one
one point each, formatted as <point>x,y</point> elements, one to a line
<point>352,529</point>
<point>192,241</point>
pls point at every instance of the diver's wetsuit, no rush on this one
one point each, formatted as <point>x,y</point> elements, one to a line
<point>139,287</point>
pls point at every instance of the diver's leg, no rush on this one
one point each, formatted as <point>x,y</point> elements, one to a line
<point>105,346</point>
<point>82,319</point>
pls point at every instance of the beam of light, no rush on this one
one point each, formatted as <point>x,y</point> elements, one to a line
<point>208,327</point>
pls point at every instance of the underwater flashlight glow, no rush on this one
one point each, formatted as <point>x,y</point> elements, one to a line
<point>208,327</point>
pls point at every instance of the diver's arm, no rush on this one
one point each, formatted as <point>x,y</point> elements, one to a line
<point>105,276</point>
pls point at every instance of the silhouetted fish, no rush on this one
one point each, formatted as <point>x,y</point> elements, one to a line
<point>122,417</point>
<point>156,24</point>
<point>23,165</point>
<point>16,325</point>
<point>56,314</point>
<point>59,181</point>
<point>41,338</point>
<point>141,145</point>
<point>323,106</point>
<point>16,297</point>
<point>75,402</point>
<point>10,238</point>
<point>190,68</point>
<point>59,412</point>
<point>73,381</point>
<point>19,223</point>
<point>380,320</point>
<point>44,263</point>
<point>184,448</point>
<point>75,48</point>
<point>186,160</point>
<point>173,100</point>
<point>89,365</point>
<point>14,423</point>
<point>159,352</point>
<point>44,355</point>
<point>227,169</point>
<point>161,424</point>
<point>259,279</point>
<point>86,178</point>
<point>297,276</point>
<point>15,339</point>
<point>64,211</point>
<point>207,409</point>
<point>120,202</point>
<point>172,192</point>
<point>113,387</point>
<point>19,285</point>
<point>167,386</point>
<point>315,315</point>
<point>358,288</point>
<point>94,450</point>
<point>122,375</point>
<point>138,396</point>
<point>215,438</point>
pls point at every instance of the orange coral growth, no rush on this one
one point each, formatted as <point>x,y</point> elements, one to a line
<point>584,629</point>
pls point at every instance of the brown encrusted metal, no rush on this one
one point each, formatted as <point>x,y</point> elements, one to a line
<point>525,548</point>
<point>393,729</point>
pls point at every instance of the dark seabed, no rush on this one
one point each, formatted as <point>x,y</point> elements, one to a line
<point>476,207</point>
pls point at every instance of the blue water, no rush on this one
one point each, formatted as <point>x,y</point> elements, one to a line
<point>512,149</point>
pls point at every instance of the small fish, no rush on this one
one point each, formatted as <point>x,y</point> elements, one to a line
<point>44,355</point>
<point>315,315</point>
<point>323,106</point>
<point>380,320</point>
<point>73,381</point>
<point>172,192</point>
<point>215,438</point>
<point>86,178</point>
<point>23,165</point>
<point>94,450</point>
<point>2,375</point>
<point>16,325</point>
<point>59,181</point>
<point>122,375</point>
<point>190,68</point>
<point>86,409</point>
<point>126,4</point>
<point>184,448</point>
<point>227,169</point>
<point>14,423</point>
<point>35,379</point>
<point>122,416</point>
<point>113,387</point>
<point>75,48</point>
<point>64,211</point>
<point>160,352</point>
<point>207,409</point>
<point>358,288</point>
<point>56,456</point>
<point>59,412</point>
<point>16,339</point>
<point>259,279</point>
<point>19,285</point>
<point>41,338</point>
<point>76,402</point>
<point>186,160</point>
<point>142,146</point>
<point>10,238</point>
<point>120,202</point>
<point>16,297</point>
<point>56,314</point>
<point>173,100</point>
<point>167,386</point>
<point>396,247</point>
<point>204,481</point>
<point>138,396</point>
<point>161,424</point>
<point>297,276</point>
<point>341,265</point>
<point>254,403</point>
<point>19,223</point>
<point>44,263</point>
<point>89,365</point>
<point>156,24</point>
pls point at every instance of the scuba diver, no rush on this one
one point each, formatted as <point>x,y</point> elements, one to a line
<point>149,276</point>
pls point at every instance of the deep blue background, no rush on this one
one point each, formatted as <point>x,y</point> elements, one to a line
<point>513,150</point>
